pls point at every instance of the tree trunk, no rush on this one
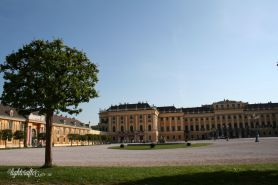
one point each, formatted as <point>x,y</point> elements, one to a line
<point>25,134</point>
<point>48,135</point>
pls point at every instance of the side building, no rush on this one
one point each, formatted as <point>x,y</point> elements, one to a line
<point>144,123</point>
<point>34,124</point>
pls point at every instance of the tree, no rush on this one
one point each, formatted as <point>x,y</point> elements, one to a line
<point>77,138</point>
<point>41,137</point>
<point>94,139</point>
<point>7,134</point>
<point>19,135</point>
<point>83,138</point>
<point>48,77</point>
<point>89,138</point>
<point>103,138</point>
<point>97,138</point>
<point>71,137</point>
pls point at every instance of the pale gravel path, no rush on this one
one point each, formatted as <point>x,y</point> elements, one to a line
<point>221,151</point>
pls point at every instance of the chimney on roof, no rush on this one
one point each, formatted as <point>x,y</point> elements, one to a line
<point>11,112</point>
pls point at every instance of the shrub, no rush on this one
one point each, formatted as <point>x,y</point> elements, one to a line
<point>6,134</point>
<point>188,144</point>
<point>162,140</point>
<point>122,146</point>
<point>152,145</point>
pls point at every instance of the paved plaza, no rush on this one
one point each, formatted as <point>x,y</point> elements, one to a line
<point>220,152</point>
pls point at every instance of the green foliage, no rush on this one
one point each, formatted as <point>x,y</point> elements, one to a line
<point>97,137</point>
<point>19,134</point>
<point>103,138</point>
<point>7,134</point>
<point>73,137</point>
<point>42,136</point>
<point>83,137</point>
<point>162,140</point>
<point>90,137</point>
<point>109,138</point>
<point>48,76</point>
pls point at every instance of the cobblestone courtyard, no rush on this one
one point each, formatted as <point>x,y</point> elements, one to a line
<point>220,152</point>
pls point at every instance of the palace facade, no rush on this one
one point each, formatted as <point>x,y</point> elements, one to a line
<point>144,123</point>
<point>34,124</point>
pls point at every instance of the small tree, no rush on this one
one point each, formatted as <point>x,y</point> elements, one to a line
<point>98,138</point>
<point>77,138</point>
<point>95,138</point>
<point>103,138</point>
<point>19,135</point>
<point>47,77</point>
<point>109,138</point>
<point>7,134</point>
<point>83,138</point>
<point>42,136</point>
<point>71,137</point>
<point>89,138</point>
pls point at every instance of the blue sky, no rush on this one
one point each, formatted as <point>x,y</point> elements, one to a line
<point>166,52</point>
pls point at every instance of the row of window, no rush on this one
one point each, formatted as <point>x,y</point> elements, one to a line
<point>11,125</point>
<point>207,126</point>
<point>68,130</point>
<point>203,127</point>
<point>131,121</point>
<point>173,128</point>
<point>216,117</point>
<point>131,128</point>
<point>149,116</point>
<point>227,106</point>
<point>173,137</point>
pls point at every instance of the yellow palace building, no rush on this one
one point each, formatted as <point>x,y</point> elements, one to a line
<point>34,124</point>
<point>141,122</point>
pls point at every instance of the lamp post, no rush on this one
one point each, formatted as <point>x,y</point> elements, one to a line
<point>253,118</point>
<point>228,133</point>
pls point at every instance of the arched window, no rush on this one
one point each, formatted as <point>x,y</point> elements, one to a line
<point>114,129</point>
<point>149,128</point>
<point>141,128</point>
<point>122,128</point>
<point>10,125</point>
<point>131,128</point>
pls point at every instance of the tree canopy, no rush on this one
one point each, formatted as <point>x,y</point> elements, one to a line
<point>44,76</point>
<point>19,134</point>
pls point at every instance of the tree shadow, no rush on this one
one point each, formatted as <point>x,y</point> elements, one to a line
<point>213,178</point>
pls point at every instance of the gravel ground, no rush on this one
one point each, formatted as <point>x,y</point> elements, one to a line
<point>220,152</point>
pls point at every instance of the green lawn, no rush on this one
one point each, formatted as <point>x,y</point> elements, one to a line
<point>169,146</point>
<point>255,174</point>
